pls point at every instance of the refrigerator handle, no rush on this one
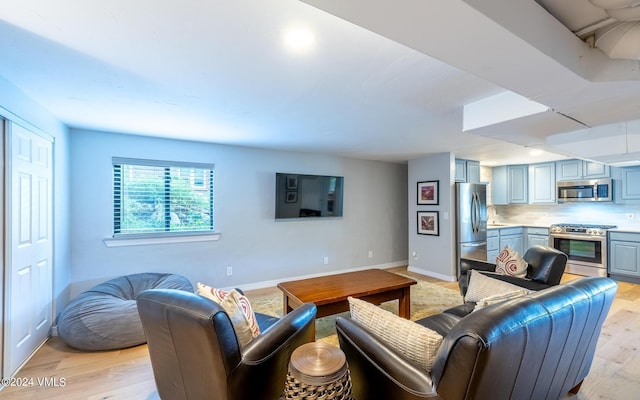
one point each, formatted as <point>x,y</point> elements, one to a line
<point>474,216</point>
<point>477,212</point>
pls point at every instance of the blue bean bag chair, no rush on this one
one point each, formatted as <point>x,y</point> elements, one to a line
<point>105,317</point>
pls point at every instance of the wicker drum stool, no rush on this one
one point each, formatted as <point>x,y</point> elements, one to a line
<point>318,371</point>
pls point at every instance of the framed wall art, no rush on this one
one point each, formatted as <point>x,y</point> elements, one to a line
<point>292,182</point>
<point>428,193</point>
<point>292,197</point>
<point>428,223</point>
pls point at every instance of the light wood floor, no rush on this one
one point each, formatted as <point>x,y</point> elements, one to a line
<point>126,374</point>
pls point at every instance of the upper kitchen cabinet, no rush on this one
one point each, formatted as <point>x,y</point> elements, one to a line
<point>509,184</point>
<point>467,171</point>
<point>542,183</point>
<point>630,183</point>
<point>572,170</point>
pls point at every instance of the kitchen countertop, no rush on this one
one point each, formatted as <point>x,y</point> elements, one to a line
<point>509,225</point>
<point>630,229</point>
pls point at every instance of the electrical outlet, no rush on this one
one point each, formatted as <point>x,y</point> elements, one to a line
<point>630,216</point>
<point>229,271</point>
<point>325,260</point>
<point>370,253</point>
<point>414,255</point>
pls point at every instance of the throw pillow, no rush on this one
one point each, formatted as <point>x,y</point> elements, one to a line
<point>497,298</point>
<point>236,302</point>
<point>482,286</point>
<point>414,341</point>
<point>509,262</point>
<point>236,309</point>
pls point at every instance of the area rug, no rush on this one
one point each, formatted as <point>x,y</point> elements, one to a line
<point>426,299</point>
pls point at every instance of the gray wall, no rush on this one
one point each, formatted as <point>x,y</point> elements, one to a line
<point>258,248</point>
<point>434,255</point>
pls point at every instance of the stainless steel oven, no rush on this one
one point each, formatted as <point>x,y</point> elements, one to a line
<point>585,245</point>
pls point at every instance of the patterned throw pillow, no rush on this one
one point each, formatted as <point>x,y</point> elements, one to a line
<point>509,262</point>
<point>236,305</point>
<point>482,286</point>
<point>416,342</point>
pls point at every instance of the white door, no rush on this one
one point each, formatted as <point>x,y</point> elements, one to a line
<point>28,229</point>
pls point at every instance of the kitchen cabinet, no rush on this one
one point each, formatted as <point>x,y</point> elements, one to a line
<point>467,171</point>
<point>499,185</point>
<point>571,170</point>
<point>542,183</point>
<point>624,256</point>
<point>497,239</point>
<point>512,237</point>
<point>461,170</point>
<point>493,245</point>
<point>517,177</point>
<point>509,184</point>
<point>630,183</point>
<point>537,237</point>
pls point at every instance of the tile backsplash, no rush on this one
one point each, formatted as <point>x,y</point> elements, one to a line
<point>623,216</point>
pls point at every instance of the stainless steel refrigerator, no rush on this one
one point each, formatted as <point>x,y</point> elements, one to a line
<point>471,217</point>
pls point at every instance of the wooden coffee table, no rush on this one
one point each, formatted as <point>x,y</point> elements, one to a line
<point>329,293</point>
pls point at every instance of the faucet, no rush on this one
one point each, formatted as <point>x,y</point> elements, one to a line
<point>493,213</point>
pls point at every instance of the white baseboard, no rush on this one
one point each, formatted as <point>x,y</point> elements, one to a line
<point>272,283</point>
<point>447,278</point>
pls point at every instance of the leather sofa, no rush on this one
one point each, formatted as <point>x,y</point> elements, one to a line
<point>545,269</point>
<point>195,353</point>
<point>538,346</point>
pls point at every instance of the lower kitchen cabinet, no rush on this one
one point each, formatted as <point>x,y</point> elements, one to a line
<point>512,237</point>
<point>624,256</point>
<point>497,239</point>
<point>537,237</point>
<point>493,245</point>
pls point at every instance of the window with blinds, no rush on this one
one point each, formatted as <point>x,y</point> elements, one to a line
<point>152,197</point>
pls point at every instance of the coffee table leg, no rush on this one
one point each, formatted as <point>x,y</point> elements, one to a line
<point>285,304</point>
<point>286,309</point>
<point>404,304</point>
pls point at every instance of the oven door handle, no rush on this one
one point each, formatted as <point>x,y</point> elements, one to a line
<point>577,237</point>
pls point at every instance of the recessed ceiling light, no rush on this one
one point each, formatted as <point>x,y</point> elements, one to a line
<point>298,39</point>
<point>536,153</point>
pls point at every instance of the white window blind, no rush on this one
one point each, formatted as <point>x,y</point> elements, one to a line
<point>152,197</point>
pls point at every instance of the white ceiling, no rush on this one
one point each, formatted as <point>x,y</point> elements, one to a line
<point>389,86</point>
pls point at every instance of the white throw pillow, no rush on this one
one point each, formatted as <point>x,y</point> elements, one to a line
<point>497,298</point>
<point>509,262</point>
<point>482,286</point>
<point>416,342</point>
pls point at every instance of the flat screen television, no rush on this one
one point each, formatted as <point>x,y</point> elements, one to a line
<point>308,196</point>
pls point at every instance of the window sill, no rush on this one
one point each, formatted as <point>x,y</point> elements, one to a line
<point>144,241</point>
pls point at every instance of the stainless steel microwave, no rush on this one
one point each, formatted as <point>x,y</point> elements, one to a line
<point>588,190</point>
